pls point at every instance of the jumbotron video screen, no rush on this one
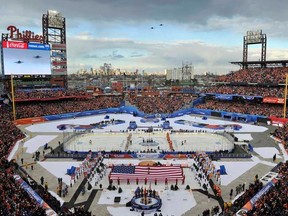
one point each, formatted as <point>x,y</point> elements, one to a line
<point>20,58</point>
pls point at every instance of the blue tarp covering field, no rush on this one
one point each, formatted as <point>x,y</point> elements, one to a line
<point>210,126</point>
<point>134,111</point>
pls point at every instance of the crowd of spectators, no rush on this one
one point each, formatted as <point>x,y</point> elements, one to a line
<point>247,90</point>
<point>40,94</point>
<point>161,104</point>
<point>9,133</point>
<point>14,200</point>
<point>282,134</point>
<point>42,108</point>
<point>256,75</point>
<point>275,201</point>
<point>245,107</point>
<point>253,189</point>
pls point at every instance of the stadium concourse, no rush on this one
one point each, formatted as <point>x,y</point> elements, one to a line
<point>93,193</point>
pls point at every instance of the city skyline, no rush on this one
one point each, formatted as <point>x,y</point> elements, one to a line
<point>155,35</point>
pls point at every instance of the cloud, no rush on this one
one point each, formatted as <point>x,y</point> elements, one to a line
<point>158,55</point>
<point>90,56</point>
<point>135,11</point>
<point>113,56</point>
<point>136,55</point>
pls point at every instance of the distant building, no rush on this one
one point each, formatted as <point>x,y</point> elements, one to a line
<point>184,73</point>
<point>173,74</point>
<point>106,69</point>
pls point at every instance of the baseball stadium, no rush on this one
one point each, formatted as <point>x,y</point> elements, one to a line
<point>183,151</point>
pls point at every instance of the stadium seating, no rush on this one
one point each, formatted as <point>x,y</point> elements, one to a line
<point>247,90</point>
<point>244,107</point>
<point>255,75</point>
<point>14,200</point>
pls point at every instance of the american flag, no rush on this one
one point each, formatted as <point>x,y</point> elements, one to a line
<point>150,173</point>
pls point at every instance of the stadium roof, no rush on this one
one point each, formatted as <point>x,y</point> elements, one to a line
<point>273,63</point>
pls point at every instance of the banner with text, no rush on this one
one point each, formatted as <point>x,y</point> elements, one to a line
<point>273,100</point>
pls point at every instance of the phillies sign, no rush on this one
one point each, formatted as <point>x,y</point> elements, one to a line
<point>16,34</point>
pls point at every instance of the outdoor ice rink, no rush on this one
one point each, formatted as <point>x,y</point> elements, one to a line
<point>140,142</point>
<point>117,137</point>
<point>97,142</point>
<point>200,142</point>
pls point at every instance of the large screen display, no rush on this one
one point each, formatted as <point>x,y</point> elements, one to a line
<point>22,58</point>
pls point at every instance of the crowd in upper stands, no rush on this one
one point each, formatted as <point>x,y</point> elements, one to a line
<point>244,107</point>
<point>25,110</point>
<point>40,94</point>
<point>247,90</point>
<point>161,104</point>
<point>256,75</point>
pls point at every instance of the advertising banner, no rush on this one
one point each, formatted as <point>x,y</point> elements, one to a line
<point>37,46</point>
<point>24,45</point>
<point>14,45</point>
<point>58,54</point>
<point>148,155</point>
<point>273,100</point>
<point>59,46</point>
<point>59,63</point>
<point>121,156</point>
<point>249,205</point>
<point>59,70</point>
<point>223,97</point>
<point>278,121</point>
<point>29,120</point>
<point>61,116</point>
<point>248,97</point>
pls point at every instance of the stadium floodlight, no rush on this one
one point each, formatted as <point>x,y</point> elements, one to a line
<point>251,38</point>
<point>254,37</point>
<point>54,19</point>
<point>53,13</point>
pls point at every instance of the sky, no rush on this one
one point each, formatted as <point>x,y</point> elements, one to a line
<point>205,33</point>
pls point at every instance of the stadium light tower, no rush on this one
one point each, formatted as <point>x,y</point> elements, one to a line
<point>254,37</point>
<point>54,32</point>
